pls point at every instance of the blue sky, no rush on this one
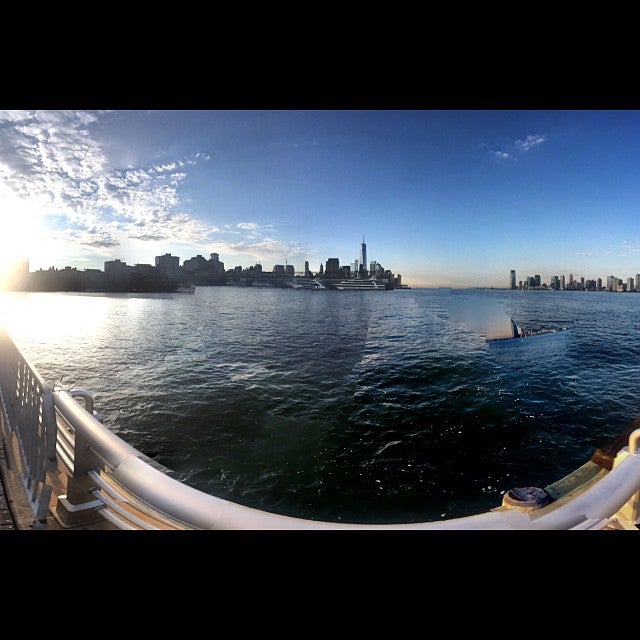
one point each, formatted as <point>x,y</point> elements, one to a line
<point>443,197</point>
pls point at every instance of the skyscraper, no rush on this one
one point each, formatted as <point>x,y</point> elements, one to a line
<point>513,279</point>
<point>363,255</point>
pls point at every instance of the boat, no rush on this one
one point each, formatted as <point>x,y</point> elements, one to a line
<point>61,468</point>
<point>312,284</point>
<point>369,284</point>
<point>518,332</point>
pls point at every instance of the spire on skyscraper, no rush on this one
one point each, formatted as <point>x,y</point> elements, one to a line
<point>363,256</point>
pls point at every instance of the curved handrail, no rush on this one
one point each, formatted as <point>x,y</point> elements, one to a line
<point>634,438</point>
<point>200,510</point>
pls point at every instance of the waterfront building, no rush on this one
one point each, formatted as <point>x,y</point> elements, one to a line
<point>215,265</point>
<point>93,279</point>
<point>562,284</point>
<point>116,274</point>
<point>196,264</point>
<point>630,286</point>
<point>168,265</point>
<point>512,279</point>
<point>333,268</point>
<point>143,270</point>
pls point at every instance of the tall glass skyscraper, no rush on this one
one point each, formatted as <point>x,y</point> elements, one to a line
<point>513,279</point>
<point>363,256</point>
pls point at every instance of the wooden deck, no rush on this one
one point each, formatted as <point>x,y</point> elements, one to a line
<point>15,511</point>
<point>6,518</point>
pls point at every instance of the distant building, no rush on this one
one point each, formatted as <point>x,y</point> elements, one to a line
<point>363,258</point>
<point>116,275</point>
<point>168,265</point>
<point>143,270</point>
<point>512,280</point>
<point>333,268</point>
<point>196,264</point>
<point>93,280</point>
<point>215,265</point>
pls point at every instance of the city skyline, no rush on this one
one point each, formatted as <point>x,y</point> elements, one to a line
<point>445,198</point>
<point>575,282</point>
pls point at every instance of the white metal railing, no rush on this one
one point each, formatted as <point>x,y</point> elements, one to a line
<point>109,479</point>
<point>184,507</point>
<point>27,414</point>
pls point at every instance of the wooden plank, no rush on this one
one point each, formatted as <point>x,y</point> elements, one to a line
<point>6,518</point>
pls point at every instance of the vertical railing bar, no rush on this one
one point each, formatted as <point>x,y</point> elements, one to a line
<point>30,414</point>
<point>50,426</point>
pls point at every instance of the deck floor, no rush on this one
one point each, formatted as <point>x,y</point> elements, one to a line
<point>6,518</point>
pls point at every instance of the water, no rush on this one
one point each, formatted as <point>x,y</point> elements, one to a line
<point>372,407</point>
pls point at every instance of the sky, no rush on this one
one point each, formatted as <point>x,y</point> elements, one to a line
<point>442,197</point>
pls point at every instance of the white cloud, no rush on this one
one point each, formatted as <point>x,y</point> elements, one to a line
<point>55,161</point>
<point>263,250</point>
<point>519,146</point>
<point>530,141</point>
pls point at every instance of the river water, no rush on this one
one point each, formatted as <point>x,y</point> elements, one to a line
<point>371,407</point>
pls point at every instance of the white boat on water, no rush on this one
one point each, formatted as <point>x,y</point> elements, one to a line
<point>300,282</point>
<point>369,284</point>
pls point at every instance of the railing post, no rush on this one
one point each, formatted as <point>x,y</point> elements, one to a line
<point>78,506</point>
<point>50,427</point>
<point>629,513</point>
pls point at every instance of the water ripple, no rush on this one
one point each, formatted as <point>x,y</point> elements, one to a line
<point>387,407</point>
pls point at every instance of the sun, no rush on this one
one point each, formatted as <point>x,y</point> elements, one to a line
<point>18,232</point>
